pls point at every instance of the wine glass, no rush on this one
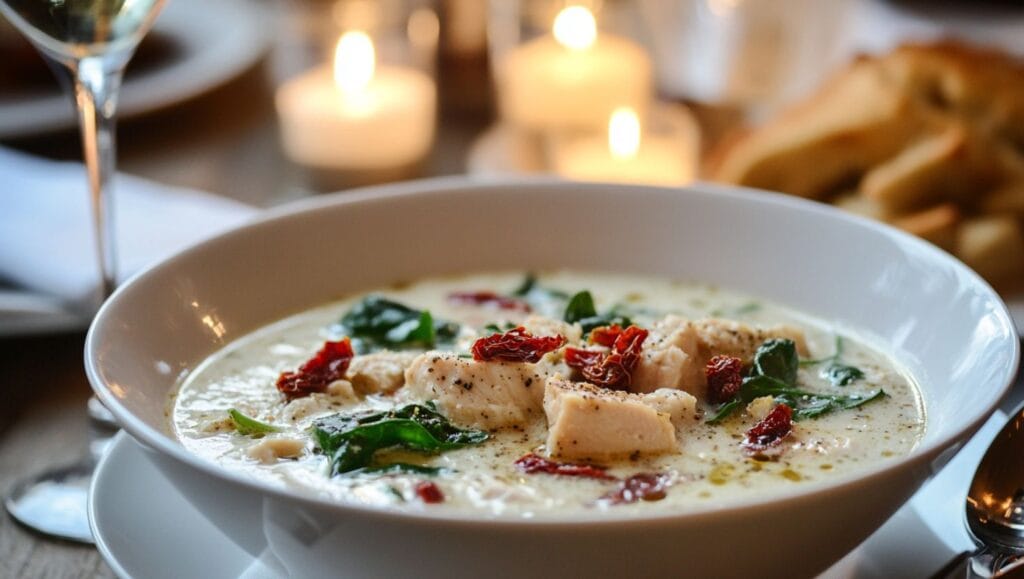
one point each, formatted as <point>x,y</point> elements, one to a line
<point>88,42</point>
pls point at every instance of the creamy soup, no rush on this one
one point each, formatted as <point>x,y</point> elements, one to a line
<point>506,394</point>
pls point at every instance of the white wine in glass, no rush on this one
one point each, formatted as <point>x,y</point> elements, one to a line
<point>89,42</point>
<point>82,28</point>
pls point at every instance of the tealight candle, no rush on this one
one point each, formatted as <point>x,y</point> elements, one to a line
<point>627,156</point>
<point>573,78</point>
<point>357,115</point>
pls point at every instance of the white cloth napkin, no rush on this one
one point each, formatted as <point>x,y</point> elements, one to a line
<point>46,231</point>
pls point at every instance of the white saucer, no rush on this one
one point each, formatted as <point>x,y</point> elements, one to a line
<point>144,528</point>
<point>217,42</point>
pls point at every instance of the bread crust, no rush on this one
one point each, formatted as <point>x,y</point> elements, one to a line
<point>928,137</point>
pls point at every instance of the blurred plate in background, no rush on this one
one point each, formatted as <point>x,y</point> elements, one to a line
<point>196,45</point>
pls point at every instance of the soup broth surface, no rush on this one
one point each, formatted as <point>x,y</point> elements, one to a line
<point>712,463</point>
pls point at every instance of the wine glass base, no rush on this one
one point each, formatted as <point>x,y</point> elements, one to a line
<point>55,502</point>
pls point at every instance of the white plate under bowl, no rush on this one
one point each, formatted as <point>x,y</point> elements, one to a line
<point>939,319</point>
<point>215,41</point>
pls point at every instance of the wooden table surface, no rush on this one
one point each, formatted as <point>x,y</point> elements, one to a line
<point>42,424</point>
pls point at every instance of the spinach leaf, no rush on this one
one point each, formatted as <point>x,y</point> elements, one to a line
<point>376,323</point>
<point>578,308</point>
<point>581,309</point>
<point>833,358</point>
<point>841,374</point>
<point>837,373</point>
<point>724,411</point>
<point>821,405</point>
<point>528,284</point>
<point>778,359</point>
<point>498,328</point>
<point>606,319</point>
<point>805,404</point>
<point>403,468</point>
<point>350,440</point>
<point>542,299</point>
<point>249,426</point>
<point>774,373</point>
<point>419,330</point>
<point>581,306</point>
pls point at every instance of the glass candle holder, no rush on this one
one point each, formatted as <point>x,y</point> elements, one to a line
<point>562,65</point>
<point>371,105</point>
<point>748,53</point>
<point>662,148</point>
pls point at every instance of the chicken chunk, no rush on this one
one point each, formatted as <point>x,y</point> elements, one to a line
<point>672,358</point>
<point>481,394</point>
<point>680,406</point>
<point>544,326</point>
<point>270,450</point>
<point>591,423</point>
<point>677,350</point>
<point>342,390</point>
<point>731,338</point>
<point>379,372</point>
<point>760,407</point>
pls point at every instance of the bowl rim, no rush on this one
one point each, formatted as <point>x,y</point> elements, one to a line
<point>165,443</point>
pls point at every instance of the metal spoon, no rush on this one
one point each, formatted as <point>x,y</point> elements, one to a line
<point>995,507</point>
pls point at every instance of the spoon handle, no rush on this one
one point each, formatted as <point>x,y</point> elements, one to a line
<point>983,564</point>
<point>1012,570</point>
<point>986,563</point>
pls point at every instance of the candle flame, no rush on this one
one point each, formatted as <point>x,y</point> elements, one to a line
<point>624,133</point>
<point>575,28</point>
<point>354,62</point>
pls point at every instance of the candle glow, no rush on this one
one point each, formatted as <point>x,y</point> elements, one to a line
<point>354,62</point>
<point>624,133</point>
<point>575,28</point>
<point>662,151</point>
<point>356,114</point>
<point>574,77</point>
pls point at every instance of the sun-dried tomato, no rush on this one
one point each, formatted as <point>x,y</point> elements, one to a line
<point>484,298</point>
<point>646,486</point>
<point>771,430</point>
<point>613,369</point>
<point>429,492</point>
<point>629,344</point>
<point>515,345</point>
<point>532,464</point>
<point>725,375</point>
<point>328,365</point>
<point>611,372</point>
<point>579,359</point>
<point>605,335</point>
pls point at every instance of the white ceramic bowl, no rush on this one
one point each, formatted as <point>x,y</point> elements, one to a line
<point>937,317</point>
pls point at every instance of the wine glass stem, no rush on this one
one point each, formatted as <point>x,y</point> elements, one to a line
<point>96,85</point>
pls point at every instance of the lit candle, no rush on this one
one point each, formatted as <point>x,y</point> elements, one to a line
<point>357,115</point>
<point>627,156</point>
<point>574,77</point>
